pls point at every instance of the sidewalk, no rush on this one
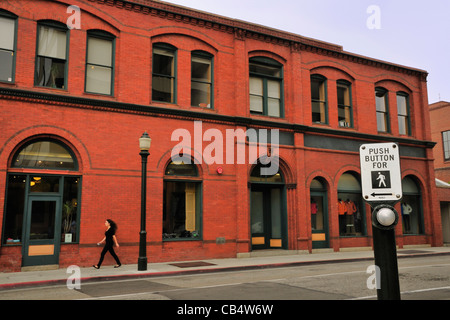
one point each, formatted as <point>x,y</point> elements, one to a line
<point>262,260</point>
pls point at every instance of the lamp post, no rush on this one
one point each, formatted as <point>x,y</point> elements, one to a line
<point>144,144</point>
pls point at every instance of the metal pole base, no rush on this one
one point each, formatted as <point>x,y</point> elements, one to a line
<point>142,264</point>
<point>386,259</point>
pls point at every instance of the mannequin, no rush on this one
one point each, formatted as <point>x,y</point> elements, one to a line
<point>406,213</point>
<point>313,214</point>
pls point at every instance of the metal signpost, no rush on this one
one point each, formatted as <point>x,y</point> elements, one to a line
<point>382,189</point>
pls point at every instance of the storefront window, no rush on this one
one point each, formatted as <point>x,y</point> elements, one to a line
<point>411,207</point>
<point>15,200</point>
<point>182,216</point>
<point>70,215</point>
<point>350,207</point>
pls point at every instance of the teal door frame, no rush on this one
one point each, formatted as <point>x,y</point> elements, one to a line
<point>264,240</point>
<point>42,233</point>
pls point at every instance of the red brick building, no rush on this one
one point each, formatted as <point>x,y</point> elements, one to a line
<point>440,133</point>
<point>74,102</point>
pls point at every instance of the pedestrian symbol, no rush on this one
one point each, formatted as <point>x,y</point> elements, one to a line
<point>381,179</point>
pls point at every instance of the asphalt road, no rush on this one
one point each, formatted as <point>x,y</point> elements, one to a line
<point>420,279</point>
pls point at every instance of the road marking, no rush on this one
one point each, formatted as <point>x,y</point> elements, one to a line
<point>405,292</point>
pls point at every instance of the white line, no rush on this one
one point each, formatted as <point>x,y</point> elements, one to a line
<point>406,292</point>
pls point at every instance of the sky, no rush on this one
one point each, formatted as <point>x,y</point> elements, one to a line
<point>412,33</point>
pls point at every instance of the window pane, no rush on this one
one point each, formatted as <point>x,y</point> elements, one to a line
<point>257,214</point>
<point>44,184</point>
<point>6,65</point>
<point>98,79</point>
<point>163,62</point>
<point>402,125</point>
<point>100,51</point>
<point>200,94</point>
<point>265,70</point>
<point>317,90</point>
<point>14,209</point>
<point>50,72</point>
<point>318,112</point>
<point>274,108</point>
<point>343,93</point>
<point>402,106</point>
<point>52,43</point>
<point>44,154</point>
<point>181,210</point>
<point>348,182</point>
<point>162,89</point>
<point>274,89</point>
<point>7,28</point>
<point>256,104</point>
<point>201,69</point>
<point>446,142</point>
<point>70,209</point>
<point>42,224</point>
<point>381,122</point>
<point>182,167</point>
<point>381,102</point>
<point>256,86</point>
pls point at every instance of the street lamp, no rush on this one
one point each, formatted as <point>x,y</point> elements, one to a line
<point>144,144</point>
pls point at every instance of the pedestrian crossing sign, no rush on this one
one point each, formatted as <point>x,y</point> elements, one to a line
<point>380,172</point>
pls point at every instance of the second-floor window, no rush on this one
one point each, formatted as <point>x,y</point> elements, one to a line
<point>51,69</point>
<point>319,99</point>
<point>381,96</point>
<point>266,87</point>
<point>100,63</point>
<point>345,112</point>
<point>7,47</point>
<point>201,80</point>
<point>404,122</point>
<point>446,143</point>
<point>164,73</point>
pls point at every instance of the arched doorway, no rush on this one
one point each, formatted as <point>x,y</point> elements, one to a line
<point>42,201</point>
<point>268,210</point>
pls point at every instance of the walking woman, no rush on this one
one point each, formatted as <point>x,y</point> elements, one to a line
<point>109,240</point>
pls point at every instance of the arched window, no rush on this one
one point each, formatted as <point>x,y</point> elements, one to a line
<point>257,176</point>
<point>350,208</point>
<point>411,207</point>
<point>45,154</point>
<point>57,193</point>
<point>266,87</point>
<point>319,99</point>
<point>182,201</point>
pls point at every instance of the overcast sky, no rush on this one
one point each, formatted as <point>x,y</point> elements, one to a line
<point>413,33</point>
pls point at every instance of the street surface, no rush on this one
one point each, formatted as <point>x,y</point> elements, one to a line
<point>420,279</point>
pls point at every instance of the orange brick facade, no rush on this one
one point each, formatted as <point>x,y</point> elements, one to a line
<point>102,131</point>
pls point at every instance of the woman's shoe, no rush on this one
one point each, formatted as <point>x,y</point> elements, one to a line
<point>117,266</point>
<point>96,267</point>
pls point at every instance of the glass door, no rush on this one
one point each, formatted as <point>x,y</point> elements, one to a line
<point>319,220</point>
<point>268,225</point>
<point>42,234</point>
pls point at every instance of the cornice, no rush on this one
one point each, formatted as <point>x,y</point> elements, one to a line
<point>152,111</point>
<point>242,29</point>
